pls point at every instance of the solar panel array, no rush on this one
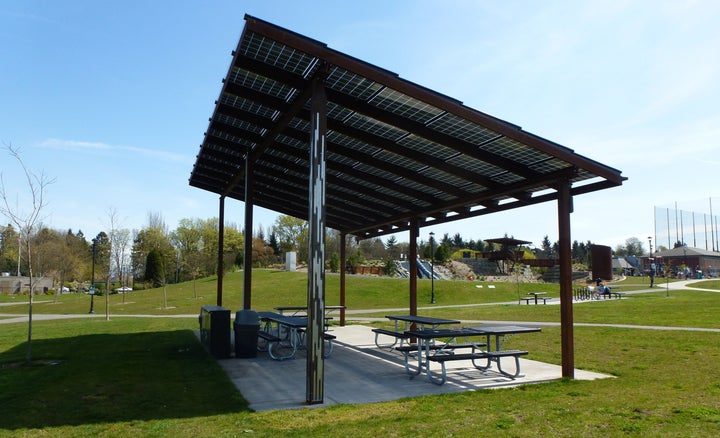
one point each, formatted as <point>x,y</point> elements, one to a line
<point>396,152</point>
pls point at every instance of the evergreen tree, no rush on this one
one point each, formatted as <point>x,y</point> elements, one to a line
<point>155,268</point>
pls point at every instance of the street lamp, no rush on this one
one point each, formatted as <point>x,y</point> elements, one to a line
<point>651,263</point>
<point>92,280</point>
<point>432,268</point>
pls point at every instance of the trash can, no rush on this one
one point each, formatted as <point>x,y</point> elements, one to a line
<point>247,326</point>
<point>215,330</point>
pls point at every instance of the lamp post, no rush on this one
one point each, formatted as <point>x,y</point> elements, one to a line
<point>432,268</point>
<point>652,263</point>
<point>92,279</point>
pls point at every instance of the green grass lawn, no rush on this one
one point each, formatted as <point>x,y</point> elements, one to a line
<point>150,377</point>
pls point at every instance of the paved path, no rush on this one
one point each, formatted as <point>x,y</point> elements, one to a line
<point>678,285</point>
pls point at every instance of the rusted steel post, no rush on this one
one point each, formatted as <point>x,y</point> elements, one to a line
<point>343,259</point>
<point>316,253</point>
<point>566,309</point>
<point>414,233</point>
<point>221,242</point>
<point>247,249</point>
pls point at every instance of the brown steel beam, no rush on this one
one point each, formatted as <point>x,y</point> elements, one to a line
<point>566,303</point>
<point>414,233</point>
<point>343,261</point>
<point>247,249</point>
<point>221,242</point>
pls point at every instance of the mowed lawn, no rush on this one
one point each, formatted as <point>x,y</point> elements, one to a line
<point>148,376</point>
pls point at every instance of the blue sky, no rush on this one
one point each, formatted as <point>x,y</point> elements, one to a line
<point>112,98</point>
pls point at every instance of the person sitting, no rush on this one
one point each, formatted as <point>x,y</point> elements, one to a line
<point>602,291</point>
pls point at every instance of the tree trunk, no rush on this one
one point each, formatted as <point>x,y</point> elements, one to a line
<point>28,353</point>
<point>107,298</point>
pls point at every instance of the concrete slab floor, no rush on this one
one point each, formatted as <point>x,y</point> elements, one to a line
<point>358,372</point>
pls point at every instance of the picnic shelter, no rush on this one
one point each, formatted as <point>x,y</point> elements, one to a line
<point>307,131</point>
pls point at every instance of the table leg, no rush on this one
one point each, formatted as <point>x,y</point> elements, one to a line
<point>418,370</point>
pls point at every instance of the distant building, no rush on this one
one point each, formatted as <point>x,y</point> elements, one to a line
<point>686,259</point>
<point>12,284</point>
<point>627,266</point>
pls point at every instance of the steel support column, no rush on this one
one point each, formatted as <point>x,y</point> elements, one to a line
<point>247,249</point>
<point>221,242</point>
<point>316,253</point>
<point>343,260</point>
<point>414,233</point>
<point>566,304</point>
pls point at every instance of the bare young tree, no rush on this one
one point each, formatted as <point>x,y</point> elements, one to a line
<point>25,216</point>
<point>119,241</point>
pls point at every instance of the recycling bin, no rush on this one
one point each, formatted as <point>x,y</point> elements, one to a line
<point>246,326</point>
<point>215,330</point>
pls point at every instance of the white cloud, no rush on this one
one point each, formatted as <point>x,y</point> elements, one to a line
<point>55,143</point>
<point>79,146</point>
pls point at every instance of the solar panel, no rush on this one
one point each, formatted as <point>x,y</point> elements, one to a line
<point>395,150</point>
<point>404,106</point>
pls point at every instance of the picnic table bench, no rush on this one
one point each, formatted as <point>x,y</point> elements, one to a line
<point>428,352</point>
<point>489,356</point>
<point>391,333</point>
<point>283,335</point>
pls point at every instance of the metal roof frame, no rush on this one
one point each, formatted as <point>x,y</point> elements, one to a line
<point>397,152</point>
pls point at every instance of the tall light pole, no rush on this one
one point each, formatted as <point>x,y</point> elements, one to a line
<point>651,263</point>
<point>432,268</point>
<point>92,280</point>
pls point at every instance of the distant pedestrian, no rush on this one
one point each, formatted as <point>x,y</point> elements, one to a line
<point>652,274</point>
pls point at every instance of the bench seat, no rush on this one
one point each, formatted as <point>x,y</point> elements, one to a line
<point>409,348</point>
<point>528,300</point>
<point>269,337</point>
<point>490,356</point>
<point>391,333</point>
<point>327,336</point>
<point>478,355</point>
<point>270,341</point>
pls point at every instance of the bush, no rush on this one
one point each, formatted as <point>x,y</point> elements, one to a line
<point>390,268</point>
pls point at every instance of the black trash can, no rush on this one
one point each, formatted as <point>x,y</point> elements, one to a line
<point>215,330</point>
<point>247,326</point>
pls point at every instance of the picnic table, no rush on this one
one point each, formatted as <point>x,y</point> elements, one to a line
<point>535,296</point>
<point>482,354</point>
<point>302,310</point>
<point>399,333</point>
<point>284,335</point>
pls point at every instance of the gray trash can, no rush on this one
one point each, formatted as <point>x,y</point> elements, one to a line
<point>247,326</point>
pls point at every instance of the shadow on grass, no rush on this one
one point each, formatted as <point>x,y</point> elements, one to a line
<point>113,377</point>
